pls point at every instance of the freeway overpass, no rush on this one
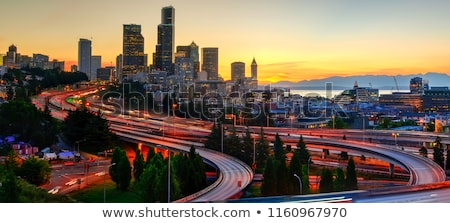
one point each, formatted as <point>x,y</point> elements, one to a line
<point>232,171</point>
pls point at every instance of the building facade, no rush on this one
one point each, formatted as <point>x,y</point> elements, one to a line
<point>84,56</point>
<point>210,62</point>
<point>133,51</point>
<point>164,56</point>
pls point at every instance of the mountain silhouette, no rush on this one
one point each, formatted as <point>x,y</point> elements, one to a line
<point>382,82</point>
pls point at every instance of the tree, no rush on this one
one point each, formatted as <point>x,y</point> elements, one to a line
<point>262,151</point>
<point>438,152</point>
<point>124,172</point>
<point>35,171</point>
<point>295,167</point>
<point>339,181</point>
<point>304,154</point>
<point>9,189</point>
<point>269,184</point>
<point>326,181</point>
<point>351,181</point>
<point>423,151</point>
<point>246,154</point>
<point>138,165</point>
<point>278,148</point>
<point>214,138</point>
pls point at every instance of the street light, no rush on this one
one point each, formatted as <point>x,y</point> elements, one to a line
<point>395,134</point>
<point>104,183</point>
<point>78,144</point>
<point>299,182</point>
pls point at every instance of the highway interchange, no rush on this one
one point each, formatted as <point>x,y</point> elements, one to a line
<point>234,175</point>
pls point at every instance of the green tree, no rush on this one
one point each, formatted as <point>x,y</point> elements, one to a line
<point>9,189</point>
<point>423,151</point>
<point>295,167</point>
<point>278,148</point>
<point>339,181</point>
<point>124,172</point>
<point>269,184</point>
<point>262,151</point>
<point>326,181</point>
<point>214,138</point>
<point>35,171</point>
<point>438,152</point>
<point>138,165</point>
<point>304,154</point>
<point>351,181</point>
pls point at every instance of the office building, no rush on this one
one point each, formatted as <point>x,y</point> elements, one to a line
<point>238,73</point>
<point>133,51</point>
<point>416,85</point>
<point>163,58</point>
<point>39,60</point>
<point>96,63</point>
<point>84,56</point>
<point>210,62</point>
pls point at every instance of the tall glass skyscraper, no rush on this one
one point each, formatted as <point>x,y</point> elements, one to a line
<point>210,62</point>
<point>163,59</point>
<point>133,60</point>
<point>84,57</point>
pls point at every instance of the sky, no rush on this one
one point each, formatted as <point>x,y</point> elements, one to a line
<point>291,40</point>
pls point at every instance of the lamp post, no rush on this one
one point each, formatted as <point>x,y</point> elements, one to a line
<point>395,137</point>
<point>221,137</point>
<point>299,182</point>
<point>78,144</point>
<point>104,183</point>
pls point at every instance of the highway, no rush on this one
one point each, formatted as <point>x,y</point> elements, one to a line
<point>235,175</point>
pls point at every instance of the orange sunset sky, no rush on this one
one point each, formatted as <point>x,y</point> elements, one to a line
<point>291,40</point>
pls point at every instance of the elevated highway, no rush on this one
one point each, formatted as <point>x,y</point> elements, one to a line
<point>235,175</point>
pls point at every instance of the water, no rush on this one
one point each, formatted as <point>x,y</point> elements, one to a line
<point>323,93</point>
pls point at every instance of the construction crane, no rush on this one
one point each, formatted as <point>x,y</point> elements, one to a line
<point>396,84</point>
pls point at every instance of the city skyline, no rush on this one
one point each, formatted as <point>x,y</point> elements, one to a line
<point>290,40</point>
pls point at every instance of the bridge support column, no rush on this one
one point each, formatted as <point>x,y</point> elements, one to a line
<point>391,170</point>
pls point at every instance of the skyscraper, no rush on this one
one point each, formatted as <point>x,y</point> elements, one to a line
<point>163,59</point>
<point>210,62</point>
<point>238,72</point>
<point>191,51</point>
<point>96,63</point>
<point>133,50</point>
<point>84,57</point>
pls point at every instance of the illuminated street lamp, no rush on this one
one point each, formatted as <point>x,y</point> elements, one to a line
<point>299,182</point>
<point>395,134</point>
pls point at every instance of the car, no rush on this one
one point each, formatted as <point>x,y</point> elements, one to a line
<point>70,183</point>
<point>54,190</point>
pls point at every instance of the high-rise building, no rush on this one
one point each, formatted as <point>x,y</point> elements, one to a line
<point>191,51</point>
<point>39,60</point>
<point>10,59</point>
<point>119,67</point>
<point>163,59</point>
<point>416,85</point>
<point>133,50</point>
<point>73,68</point>
<point>238,72</point>
<point>84,56</point>
<point>96,63</point>
<point>210,62</point>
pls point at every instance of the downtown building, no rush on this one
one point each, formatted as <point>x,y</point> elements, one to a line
<point>164,55</point>
<point>133,57</point>
<point>84,57</point>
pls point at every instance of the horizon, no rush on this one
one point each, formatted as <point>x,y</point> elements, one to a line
<point>299,40</point>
